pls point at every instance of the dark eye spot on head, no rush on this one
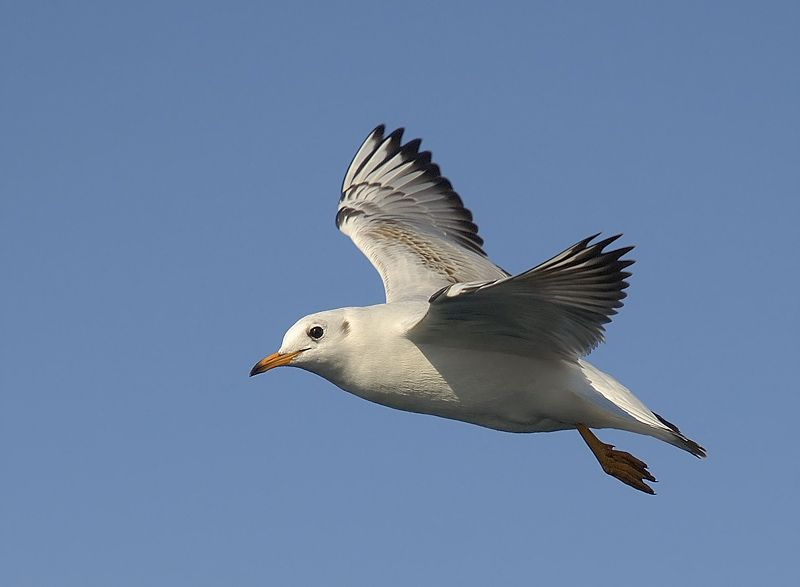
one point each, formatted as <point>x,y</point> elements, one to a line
<point>316,332</point>
<point>345,327</point>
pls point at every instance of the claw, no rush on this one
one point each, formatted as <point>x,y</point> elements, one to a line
<point>622,465</point>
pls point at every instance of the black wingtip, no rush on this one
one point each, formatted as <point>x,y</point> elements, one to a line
<point>585,242</point>
<point>378,130</point>
<point>607,241</point>
<point>397,134</point>
<point>667,423</point>
<point>688,444</point>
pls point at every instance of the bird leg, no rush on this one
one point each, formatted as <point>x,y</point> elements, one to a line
<point>622,465</point>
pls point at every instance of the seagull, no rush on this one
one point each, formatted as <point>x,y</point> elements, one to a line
<point>459,337</point>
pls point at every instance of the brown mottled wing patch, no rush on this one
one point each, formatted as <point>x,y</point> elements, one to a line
<point>558,307</point>
<point>406,218</point>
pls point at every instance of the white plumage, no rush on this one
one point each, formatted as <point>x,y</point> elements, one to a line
<point>460,338</point>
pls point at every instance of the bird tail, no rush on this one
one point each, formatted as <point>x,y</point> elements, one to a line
<point>644,420</point>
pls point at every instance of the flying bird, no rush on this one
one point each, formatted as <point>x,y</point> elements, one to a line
<point>459,337</point>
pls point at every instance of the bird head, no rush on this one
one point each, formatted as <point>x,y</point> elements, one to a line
<point>309,344</point>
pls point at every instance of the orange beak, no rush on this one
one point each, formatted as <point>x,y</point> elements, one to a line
<point>272,361</point>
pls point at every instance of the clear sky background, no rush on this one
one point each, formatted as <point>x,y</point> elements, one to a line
<point>169,174</point>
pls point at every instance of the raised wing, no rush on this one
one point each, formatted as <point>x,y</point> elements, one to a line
<point>405,217</point>
<point>559,307</point>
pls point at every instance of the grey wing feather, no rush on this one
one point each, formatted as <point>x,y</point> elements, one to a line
<point>407,219</point>
<point>558,307</point>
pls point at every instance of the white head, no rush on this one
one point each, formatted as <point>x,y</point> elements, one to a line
<point>311,344</point>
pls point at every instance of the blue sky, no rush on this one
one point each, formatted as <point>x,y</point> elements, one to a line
<point>170,173</point>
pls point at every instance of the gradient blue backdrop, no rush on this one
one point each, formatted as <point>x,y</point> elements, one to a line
<point>169,176</point>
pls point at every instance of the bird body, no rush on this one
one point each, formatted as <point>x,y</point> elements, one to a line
<point>494,389</point>
<point>459,337</point>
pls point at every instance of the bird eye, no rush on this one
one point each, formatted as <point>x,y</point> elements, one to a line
<point>316,332</point>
